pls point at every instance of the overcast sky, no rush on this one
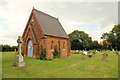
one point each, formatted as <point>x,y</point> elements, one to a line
<point>95,18</point>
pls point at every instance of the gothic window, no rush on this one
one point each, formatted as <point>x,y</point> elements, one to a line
<point>59,44</point>
<point>52,45</point>
<point>63,45</point>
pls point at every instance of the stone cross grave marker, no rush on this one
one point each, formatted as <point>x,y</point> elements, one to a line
<point>19,58</point>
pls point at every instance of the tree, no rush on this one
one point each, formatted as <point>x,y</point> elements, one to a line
<point>95,45</point>
<point>104,45</point>
<point>113,37</point>
<point>80,40</point>
<point>8,48</point>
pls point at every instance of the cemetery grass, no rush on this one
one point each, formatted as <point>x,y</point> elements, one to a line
<point>72,67</point>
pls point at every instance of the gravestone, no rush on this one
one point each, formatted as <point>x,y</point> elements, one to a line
<point>82,56</point>
<point>108,50</point>
<point>117,53</point>
<point>15,52</point>
<point>19,58</point>
<point>76,52</point>
<point>104,57</point>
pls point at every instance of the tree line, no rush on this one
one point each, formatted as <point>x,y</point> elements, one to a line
<point>81,40</point>
<point>6,48</point>
<point>113,37</point>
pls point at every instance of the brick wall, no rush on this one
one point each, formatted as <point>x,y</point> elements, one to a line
<point>63,52</point>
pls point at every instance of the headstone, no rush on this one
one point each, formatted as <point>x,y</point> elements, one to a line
<point>108,50</point>
<point>76,52</point>
<point>19,58</point>
<point>82,56</point>
<point>117,53</point>
<point>104,57</point>
<point>15,52</point>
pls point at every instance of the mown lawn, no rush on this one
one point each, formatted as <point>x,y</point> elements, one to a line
<point>72,67</point>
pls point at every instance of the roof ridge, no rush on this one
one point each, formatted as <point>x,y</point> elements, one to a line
<point>45,13</point>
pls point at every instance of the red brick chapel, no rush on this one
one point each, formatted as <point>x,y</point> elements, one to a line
<point>44,29</point>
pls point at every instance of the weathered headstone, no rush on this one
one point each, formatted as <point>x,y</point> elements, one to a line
<point>82,56</point>
<point>108,50</point>
<point>15,52</point>
<point>117,53</point>
<point>104,57</point>
<point>19,58</point>
<point>76,52</point>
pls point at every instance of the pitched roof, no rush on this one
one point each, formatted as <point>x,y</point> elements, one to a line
<point>50,25</point>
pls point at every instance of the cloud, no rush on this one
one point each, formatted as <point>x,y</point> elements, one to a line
<point>97,34</point>
<point>15,14</point>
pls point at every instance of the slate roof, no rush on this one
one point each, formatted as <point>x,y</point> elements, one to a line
<point>50,25</point>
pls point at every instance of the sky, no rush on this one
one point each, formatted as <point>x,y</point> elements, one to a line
<point>93,17</point>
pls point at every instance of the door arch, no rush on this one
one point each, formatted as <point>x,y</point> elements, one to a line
<point>30,48</point>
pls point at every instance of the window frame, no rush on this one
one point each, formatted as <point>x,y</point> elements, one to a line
<point>63,45</point>
<point>52,46</point>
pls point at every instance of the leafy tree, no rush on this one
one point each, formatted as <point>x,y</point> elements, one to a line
<point>8,48</point>
<point>80,40</point>
<point>113,37</point>
<point>104,45</point>
<point>95,45</point>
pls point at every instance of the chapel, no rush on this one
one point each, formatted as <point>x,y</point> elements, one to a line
<point>46,30</point>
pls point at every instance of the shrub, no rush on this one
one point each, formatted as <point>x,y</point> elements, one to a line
<point>56,53</point>
<point>43,53</point>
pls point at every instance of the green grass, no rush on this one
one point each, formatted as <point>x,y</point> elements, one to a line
<point>72,67</point>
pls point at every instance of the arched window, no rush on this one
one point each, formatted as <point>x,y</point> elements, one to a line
<point>59,44</point>
<point>52,45</point>
<point>63,45</point>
